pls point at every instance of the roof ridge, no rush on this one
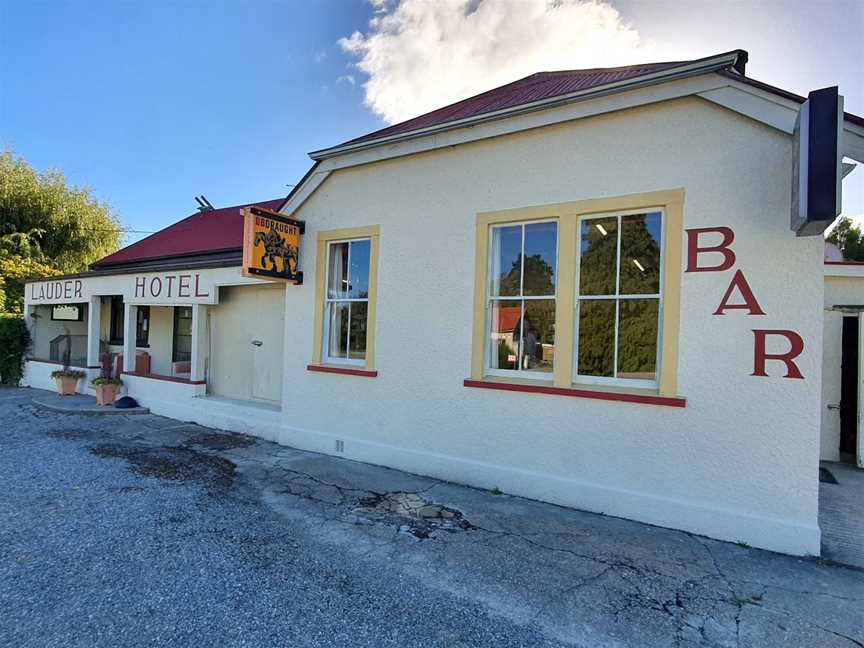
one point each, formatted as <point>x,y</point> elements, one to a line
<point>615,68</point>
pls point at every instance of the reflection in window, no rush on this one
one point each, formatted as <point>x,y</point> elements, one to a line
<point>182,347</point>
<point>619,297</point>
<point>347,301</point>
<point>523,277</point>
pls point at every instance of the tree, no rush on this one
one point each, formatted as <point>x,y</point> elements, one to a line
<point>848,238</point>
<point>44,219</point>
<point>14,271</point>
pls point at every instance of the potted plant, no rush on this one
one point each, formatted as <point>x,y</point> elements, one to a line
<point>106,389</point>
<point>67,380</point>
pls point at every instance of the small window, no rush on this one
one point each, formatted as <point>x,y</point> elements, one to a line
<point>521,299</point>
<point>182,334</point>
<point>142,327</point>
<point>619,298</point>
<point>67,313</point>
<point>346,302</point>
<point>117,316</point>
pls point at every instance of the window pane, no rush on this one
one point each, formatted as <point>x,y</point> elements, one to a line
<point>541,259</point>
<point>358,273</point>
<point>357,349</point>
<point>637,338</point>
<point>598,256</point>
<point>337,343</point>
<point>506,271</point>
<point>596,337</point>
<point>183,321</point>
<point>538,335</point>
<point>337,271</point>
<point>640,254</point>
<point>504,334</point>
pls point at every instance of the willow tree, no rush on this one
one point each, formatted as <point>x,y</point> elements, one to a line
<point>45,218</point>
<point>47,226</point>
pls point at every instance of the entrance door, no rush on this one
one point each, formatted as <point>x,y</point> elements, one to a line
<point>267,343</point>
<point>247,330</point>
<point>849,388</point>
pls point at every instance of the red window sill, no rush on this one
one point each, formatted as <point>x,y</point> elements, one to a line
<point>347,371</point>
<point>646,399</point>
<point>185,381</point>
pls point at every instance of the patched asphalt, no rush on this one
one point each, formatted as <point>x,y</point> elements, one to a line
<point>145,531</point>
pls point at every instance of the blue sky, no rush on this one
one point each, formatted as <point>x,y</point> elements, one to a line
<point>152,103</point>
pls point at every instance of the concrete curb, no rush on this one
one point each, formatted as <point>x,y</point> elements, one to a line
<point>96,410</point>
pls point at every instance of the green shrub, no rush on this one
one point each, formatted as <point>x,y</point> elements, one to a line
<point>101,380</point>
<point>68,373</point>
<point>14,342</point>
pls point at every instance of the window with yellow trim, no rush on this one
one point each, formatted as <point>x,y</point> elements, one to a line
<point>582,293</point>
<point>345,297</point>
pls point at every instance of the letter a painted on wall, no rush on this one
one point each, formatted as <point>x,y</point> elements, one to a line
<point>271,245</point>
<point>750,303</point>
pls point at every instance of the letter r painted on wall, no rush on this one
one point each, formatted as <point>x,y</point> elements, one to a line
<point>761,355</point>
<point>694,249</point>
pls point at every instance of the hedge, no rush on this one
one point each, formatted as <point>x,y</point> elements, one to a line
<point>14,342</point>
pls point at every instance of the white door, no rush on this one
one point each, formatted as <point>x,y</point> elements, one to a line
<point>247,328</point>
<point>267,331</point>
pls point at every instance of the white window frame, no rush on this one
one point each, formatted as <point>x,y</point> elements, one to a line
<point>614,380</point>
<point>487,357</point>
<point>325,339</point>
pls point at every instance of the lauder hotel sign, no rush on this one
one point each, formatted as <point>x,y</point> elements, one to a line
<point>271,245</point>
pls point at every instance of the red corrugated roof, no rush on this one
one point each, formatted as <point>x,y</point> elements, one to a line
<point>210,231</point>
<point>539,86</point>
<point>506,318</point>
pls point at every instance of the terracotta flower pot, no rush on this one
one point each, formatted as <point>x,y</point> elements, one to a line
<point>66,385</point>
<point>106,394</point>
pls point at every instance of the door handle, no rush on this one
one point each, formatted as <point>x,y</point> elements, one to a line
<point>257,343</point>
<point>834,406</point>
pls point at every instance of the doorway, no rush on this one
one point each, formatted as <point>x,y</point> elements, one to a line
<point>247,333</point>
<point>849,390</point>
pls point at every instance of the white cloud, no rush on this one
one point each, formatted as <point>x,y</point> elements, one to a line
<point>423,54</point>
<point>320,56</point>
<point>347,78</point>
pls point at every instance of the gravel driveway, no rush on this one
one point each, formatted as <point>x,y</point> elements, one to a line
<point>144,531</point>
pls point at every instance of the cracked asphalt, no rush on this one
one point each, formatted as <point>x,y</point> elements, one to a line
<point>145,531</point>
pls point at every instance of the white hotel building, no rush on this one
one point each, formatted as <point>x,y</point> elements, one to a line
<point>581,287</point>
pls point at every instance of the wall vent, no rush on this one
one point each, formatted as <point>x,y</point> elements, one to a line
<point>340,445</point>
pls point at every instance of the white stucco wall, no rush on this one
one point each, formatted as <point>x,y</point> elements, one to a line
<point>738,463</point>
<point>839,291</point>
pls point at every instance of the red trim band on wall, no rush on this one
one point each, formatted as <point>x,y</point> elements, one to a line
<point>165,378</point>
<point>646,399</point>
<point>364,373</point>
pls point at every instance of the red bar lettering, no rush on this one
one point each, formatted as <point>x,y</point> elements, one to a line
<point>694,249</point>
<point>760,355</point>
<point>750,303</point>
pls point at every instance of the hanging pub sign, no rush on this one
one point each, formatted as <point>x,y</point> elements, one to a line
<point>271,245</point>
